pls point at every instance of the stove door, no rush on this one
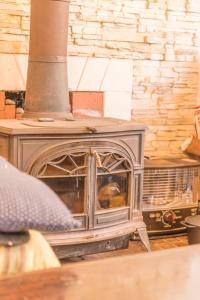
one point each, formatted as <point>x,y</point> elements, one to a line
<point>93,178</point>
<point>67,175</point>
<point>113,188</point>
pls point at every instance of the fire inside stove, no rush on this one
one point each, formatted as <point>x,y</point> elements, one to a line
<point>171,192</point>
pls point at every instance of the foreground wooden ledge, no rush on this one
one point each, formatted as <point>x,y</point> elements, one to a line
<point>169,274</point>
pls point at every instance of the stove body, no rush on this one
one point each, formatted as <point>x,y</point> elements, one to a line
<point>96,168</point>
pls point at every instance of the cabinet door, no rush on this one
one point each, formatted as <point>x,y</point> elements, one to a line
<point>113,187</point>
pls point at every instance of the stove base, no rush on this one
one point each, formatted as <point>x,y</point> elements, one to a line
<point>80,243</point>
<point>70,251</point>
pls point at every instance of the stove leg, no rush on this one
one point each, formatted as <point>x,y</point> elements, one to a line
<point>142,231</point>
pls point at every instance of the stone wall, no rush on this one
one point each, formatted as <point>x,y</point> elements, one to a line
<point>14,26</point>
<point>160,37</point>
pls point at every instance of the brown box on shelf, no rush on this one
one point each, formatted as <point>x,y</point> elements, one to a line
<point>2,114</point>
<point>87,103</point>
<point>10,111</point>
<point>2,100</point>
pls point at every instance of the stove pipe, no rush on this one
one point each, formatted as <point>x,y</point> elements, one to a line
<point>47,88</point>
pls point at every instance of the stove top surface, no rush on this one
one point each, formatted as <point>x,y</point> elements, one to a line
<point>88,125</point>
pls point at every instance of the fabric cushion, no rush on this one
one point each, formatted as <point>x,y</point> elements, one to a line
<point>27,203</point>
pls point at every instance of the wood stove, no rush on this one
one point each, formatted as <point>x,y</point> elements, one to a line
<point>94,165</point>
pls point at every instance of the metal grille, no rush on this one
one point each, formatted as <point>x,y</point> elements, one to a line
<point>171,187</point>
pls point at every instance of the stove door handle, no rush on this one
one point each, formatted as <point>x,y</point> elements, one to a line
<point>91,129</point>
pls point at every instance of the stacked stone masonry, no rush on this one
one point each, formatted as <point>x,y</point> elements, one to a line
<point>160,36</point>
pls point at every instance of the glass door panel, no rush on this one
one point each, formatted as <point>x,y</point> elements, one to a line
<point>71,190</point>
<point>112,191</point>
<point>113,178</point>
<point>66,176</point>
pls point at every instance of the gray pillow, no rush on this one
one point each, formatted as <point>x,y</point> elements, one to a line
<point>27,203</point>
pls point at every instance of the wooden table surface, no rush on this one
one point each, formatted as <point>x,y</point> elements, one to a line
<point>163,275</point>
